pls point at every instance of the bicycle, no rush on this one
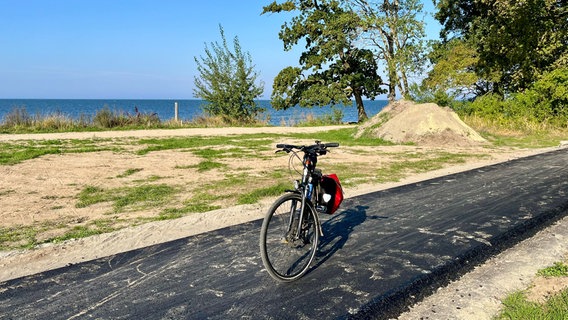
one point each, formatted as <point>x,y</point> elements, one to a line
<point>291,229</point>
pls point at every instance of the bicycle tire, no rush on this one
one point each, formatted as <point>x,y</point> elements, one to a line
<point>288,261</point>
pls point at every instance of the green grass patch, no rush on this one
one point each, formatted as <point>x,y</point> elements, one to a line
<point>208,165</point>
<point>343,136</point>
<point>559,269</point>
<point>255,142</point>
<point>91,195</point>
<point>419,163</point>
<point>518,307</point>
<point>352,173</point>
<point>22,237</point>
<point>257,194</point>
<point>78,232</point>
<point>15,152</point>
<point>131,198</point>
<point>129,172</point>
<point>556,307</point>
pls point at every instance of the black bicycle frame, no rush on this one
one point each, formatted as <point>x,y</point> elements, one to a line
<point>307,189</point>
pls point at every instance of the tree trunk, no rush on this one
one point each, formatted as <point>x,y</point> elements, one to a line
<point>393,80</point>
<point>391,65</point>
<point>361,114</point>
<point>404,90</point>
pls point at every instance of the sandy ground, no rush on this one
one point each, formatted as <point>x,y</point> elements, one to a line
<point>476,295</point>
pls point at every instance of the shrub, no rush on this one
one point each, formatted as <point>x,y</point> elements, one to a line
<point>18,117</point>
<point>106,118</point>
<point>548,98</point>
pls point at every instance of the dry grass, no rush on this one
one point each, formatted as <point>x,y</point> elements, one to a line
<point>517,128</point>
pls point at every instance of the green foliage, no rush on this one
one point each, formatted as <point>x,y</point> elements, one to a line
<point>453,72</point>
<point>227,82</point>
<point>544,102</point>
<point>393,30</point>
<point>332,69</point>
<point>549,97</point>
<point>559,269</point>
<point>107,119</point>
<point>515,41</point>
<point>424,94</point>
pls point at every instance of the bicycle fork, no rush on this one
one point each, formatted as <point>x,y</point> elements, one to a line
<point>297,219</point>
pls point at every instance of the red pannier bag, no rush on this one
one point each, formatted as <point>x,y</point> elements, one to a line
<point>332,191</point>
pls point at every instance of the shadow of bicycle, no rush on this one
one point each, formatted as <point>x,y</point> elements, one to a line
<point>337,230</point>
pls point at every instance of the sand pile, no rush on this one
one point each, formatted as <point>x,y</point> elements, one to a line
<point>423,124</point>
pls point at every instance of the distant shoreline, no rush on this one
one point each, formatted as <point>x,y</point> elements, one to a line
<point>188,109</point>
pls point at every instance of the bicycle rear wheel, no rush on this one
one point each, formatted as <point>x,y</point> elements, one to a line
<point>285,257</point>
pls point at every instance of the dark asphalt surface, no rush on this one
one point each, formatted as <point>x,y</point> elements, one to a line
<point>380,253</point>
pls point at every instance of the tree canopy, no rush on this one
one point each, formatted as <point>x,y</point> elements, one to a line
<point>516,42</point>
<point>394,32</point>
<point>332,69</point>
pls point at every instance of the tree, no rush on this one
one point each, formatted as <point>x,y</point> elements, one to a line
<point>332,70</point>
<point>227,82</point>
<point>393,30</point>
<point>516,41</point>
<point>453,70</point>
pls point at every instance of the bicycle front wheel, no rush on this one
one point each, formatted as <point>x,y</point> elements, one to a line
<point>286,253</point>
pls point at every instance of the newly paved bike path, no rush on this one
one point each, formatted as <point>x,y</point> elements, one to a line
<point>381,252</point>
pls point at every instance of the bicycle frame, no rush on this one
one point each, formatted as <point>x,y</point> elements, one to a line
<point>306,188</point>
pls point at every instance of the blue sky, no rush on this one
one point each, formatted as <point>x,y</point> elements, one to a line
<point>130,49</point>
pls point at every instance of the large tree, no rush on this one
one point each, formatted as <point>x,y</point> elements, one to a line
<point>394,31</point>
<point>227,82</point>
<point>516,41</point>
<point>332,69</point>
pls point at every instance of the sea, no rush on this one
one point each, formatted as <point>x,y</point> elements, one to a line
<point>165,109</point>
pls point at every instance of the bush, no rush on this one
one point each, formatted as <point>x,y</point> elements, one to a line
<point>333,118</point>
<point>106,118</point>
<point>18,117</point>
<point>226,82</point>
<point>546,102</point>
<point>548,98</point>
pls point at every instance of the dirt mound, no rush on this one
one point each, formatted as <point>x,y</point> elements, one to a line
<point>423,124</point>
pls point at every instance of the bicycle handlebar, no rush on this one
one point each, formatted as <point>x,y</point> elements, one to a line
<point>316,147</point>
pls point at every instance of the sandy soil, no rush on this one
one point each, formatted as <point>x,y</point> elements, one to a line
<point>39,185</point>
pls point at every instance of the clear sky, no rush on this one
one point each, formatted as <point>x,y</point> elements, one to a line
<point>131,49</point>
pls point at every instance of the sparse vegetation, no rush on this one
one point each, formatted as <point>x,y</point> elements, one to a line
<point>559,269</point>
<point>127,198</point>
<point>518,306</point>
<point>231,157</point>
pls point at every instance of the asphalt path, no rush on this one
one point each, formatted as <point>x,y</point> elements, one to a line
<point>382,252</point>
